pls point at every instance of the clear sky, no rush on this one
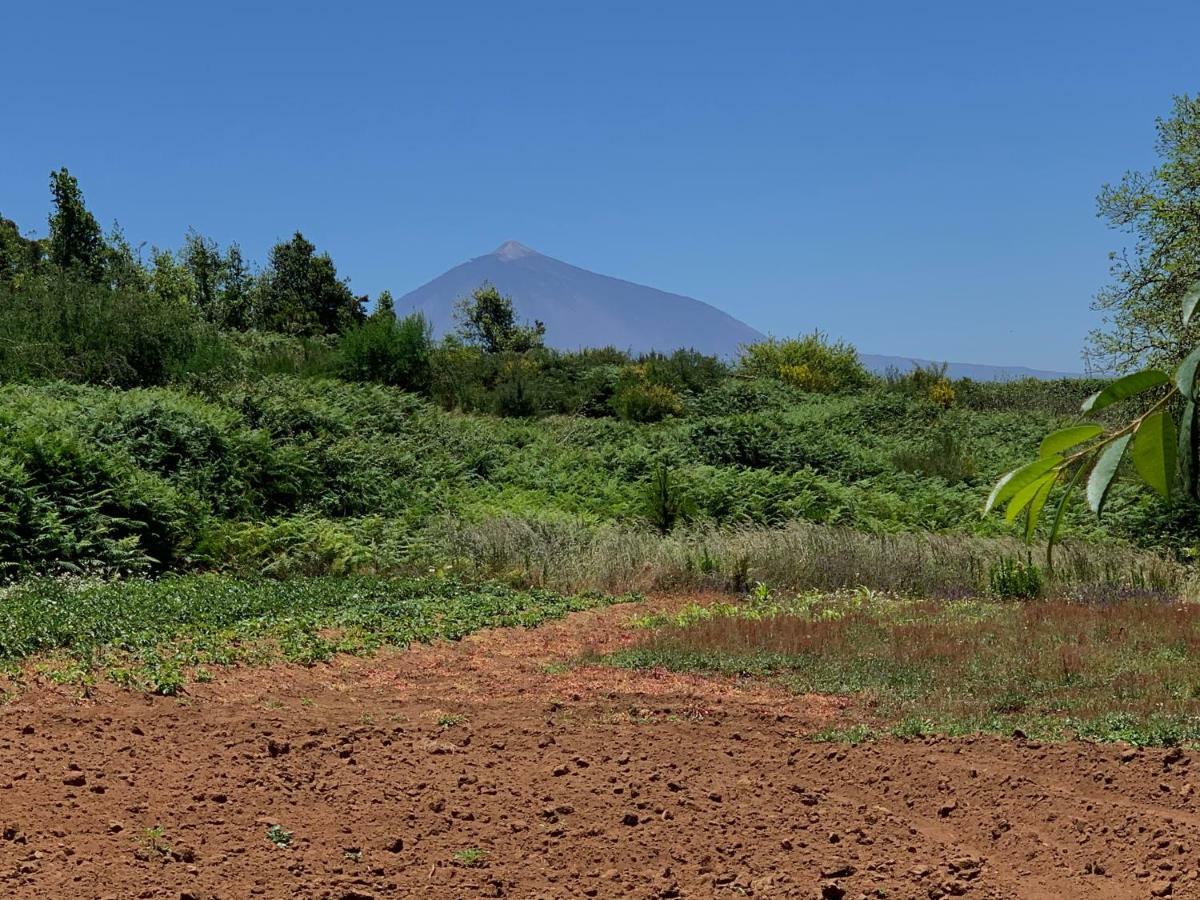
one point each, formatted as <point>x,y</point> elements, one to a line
<point>918,178</point>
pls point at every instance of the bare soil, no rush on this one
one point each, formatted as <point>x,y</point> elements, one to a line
<point>587,782</point>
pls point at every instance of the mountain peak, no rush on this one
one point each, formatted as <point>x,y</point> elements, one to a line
<point>513,250</point>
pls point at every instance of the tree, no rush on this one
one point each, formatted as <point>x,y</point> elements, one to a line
<point>18,254</point>
<point>75,235</point>
<point>202,258</point>
<point>488,320</point>
<point>302,294</point>
<point>385,306</point>
<point>1161,209</point>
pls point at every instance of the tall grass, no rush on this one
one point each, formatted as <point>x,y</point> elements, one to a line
<point>798,556</point>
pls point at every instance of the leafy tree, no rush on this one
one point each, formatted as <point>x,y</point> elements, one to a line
<point>301,293</point>
<point>124,267</point>
<point>488,320</point>
<point>170,279</point>
<point>1161,209</point>
<point>75,235</point>
<point>18,254</point>
<point>235,293</point>
<point>202,258</point>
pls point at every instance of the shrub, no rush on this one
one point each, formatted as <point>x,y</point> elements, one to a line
<point>1011,579</point>
<point>810,363</point>
<point>388,350</point>
<point>640,401</point>
<point>666,504</point>
<point>946,456</point>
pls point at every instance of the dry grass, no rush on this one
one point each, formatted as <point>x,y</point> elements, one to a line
<point>1127,670</point>
<point>800,556</point>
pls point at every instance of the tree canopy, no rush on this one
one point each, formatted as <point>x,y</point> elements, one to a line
<point>1160,208</point>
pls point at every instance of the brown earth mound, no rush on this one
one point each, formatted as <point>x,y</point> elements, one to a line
<point>472,770</point>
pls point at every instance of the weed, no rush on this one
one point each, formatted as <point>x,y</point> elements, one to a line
<point>449,720</point>
<point>471,856</point>
<point>279,836</point>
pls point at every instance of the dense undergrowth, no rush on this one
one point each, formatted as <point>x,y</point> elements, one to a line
<point>287,475</point>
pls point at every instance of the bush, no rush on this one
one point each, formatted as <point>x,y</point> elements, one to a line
<point>391,351</point>
<point>810,363</point>
<point>64,326</point>
<point>946,456</point>
<point>640,401</point>
<point>1011,579</point>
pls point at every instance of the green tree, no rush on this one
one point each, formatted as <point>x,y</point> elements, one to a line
<point>235,293</point>
<point>487,319</point>
<point>75,235</point>
<point>202,258</point>
<point>1161,210</point>
<point>301,293</point>
<point>19,255</point>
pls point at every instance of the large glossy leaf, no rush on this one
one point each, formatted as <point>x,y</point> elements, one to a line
<point>1153,452</point>
<point>1007,486</point>
<point>1104,471</point>
<point>1035,506</point>
<point>1190,300</point>
<point>1127,386</point>
<point>1186,450</point>
<point>1066,438</point>
<point>1185,375</point>
<point>1025,495</point>
<point>1061,511</point>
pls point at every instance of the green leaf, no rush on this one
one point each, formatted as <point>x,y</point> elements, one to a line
<point>1035,507</point>
<point>1059,514</point>
<point>1025,495</point>
<point>1018,478</point>
<point>1128,386</point>
<point>1065,438</point>
<point>1190,300</point>
<point>1185,375</point>
<point>1104,471</point>
<point>1154,452</point>
<point>1186,452</point>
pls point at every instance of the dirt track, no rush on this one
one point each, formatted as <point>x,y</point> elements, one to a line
<point>585,783</point>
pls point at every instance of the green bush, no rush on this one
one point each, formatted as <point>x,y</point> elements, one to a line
<point>811,363</point>
<point>388,350</point>
<point>1011,579</point>
<point>641,401</point>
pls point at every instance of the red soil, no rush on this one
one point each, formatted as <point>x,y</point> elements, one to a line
<point>592,783</point>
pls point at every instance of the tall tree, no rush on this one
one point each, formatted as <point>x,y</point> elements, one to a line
<point>488,320</point>
<point>1161,209</point>
<point>75,235</point>
<point>301,292</point>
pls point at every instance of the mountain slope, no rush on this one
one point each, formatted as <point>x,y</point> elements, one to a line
<point>976,371</point>
<point>584,309</point>
<point>581,308</point>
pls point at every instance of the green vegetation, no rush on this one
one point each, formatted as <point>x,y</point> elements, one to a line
<point>150,633</point>
<point>203,462</point>
<point>1125,671</point>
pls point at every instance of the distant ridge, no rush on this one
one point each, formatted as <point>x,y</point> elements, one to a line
<point>975,371</point>
<point>581,308</point>
<point>585,309</point>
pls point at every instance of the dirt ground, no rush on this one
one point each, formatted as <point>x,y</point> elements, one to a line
<point>480,770</point>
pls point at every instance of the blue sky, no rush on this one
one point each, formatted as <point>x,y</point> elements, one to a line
<point>918,178</point>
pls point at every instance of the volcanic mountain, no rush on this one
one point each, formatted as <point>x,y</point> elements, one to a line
<point>584,309</point>
<point>581,308</point>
